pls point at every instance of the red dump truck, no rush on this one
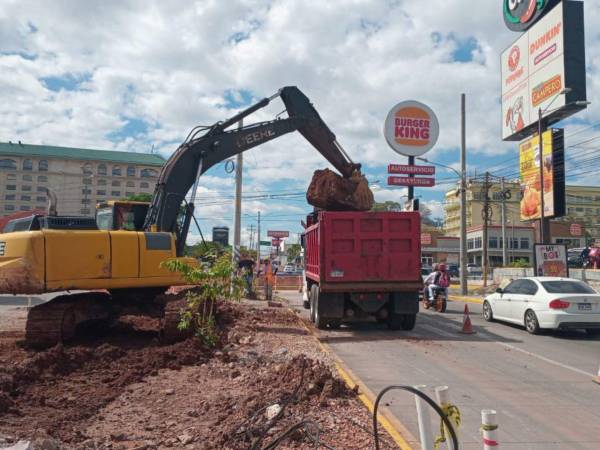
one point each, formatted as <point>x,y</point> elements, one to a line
<point>361,264</point>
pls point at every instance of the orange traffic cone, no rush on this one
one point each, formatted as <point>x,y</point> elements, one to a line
<point>597,377</point>
<point>467,327</point>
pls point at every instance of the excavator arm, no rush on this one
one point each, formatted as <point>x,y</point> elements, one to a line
<point>198,154</point>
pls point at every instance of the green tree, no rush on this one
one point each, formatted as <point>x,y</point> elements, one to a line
<point>386,206</point>
<point>293,251</point>
<point>143,197</point>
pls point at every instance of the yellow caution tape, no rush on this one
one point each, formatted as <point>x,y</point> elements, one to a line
<point>453,414</point>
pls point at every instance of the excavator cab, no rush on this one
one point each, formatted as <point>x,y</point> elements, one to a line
<point>121,215</point>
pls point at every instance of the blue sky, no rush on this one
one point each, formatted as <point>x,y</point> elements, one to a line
<point>138,75</point>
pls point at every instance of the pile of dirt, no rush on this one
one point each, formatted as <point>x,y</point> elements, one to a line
<point>331,192</point>
<point>126,390</point>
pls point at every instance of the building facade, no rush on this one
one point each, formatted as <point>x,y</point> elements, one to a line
<point>582,207</point>
<point>519,242</point>
<point>79,177</point>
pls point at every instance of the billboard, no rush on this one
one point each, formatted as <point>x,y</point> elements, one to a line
<point>546,59</point>
<point>411,128</point>
<point>519,15</point>
<point>554,176</point>
<point>408,181</point>
<point>278,234</point>
<point>550,260</point>
<point>411,170</point>
<point>221,235</point>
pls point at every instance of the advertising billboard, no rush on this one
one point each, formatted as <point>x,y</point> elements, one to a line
<point>411,128</point>
<point>550,260</point>
<point>407,181</point>
<point>278,234</point>
<point>538,66</point>
<point>411,170</point>
<point>519,15</point>
<point>554,176</point>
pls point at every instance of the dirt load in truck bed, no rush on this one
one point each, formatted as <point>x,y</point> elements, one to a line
<point>126,390</point>
<point>331,192</point>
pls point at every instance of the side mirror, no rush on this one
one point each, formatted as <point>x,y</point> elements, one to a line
<point>499,291</point>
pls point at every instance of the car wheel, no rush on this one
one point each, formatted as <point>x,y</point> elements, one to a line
<point>487,312</point>
<point>531,323</point>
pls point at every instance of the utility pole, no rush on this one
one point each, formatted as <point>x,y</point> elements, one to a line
<point>237,220</point>
<point>543,235</point>
<point>486,218</point>
<point>251,242</point>
<point>503,219</point>
<point>463,200</point>
<point>258,245</point>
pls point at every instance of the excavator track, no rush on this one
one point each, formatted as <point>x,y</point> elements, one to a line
<point>59,320</point>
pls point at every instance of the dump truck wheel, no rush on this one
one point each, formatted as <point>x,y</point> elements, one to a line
<point>408,321</point>
<point>313,295</point>
<point>320,322</point>
<point>394,321</point>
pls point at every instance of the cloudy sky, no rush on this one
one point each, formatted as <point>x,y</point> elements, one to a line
<point>136,75</point>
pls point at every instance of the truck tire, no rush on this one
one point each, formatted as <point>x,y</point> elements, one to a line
<point>394,321</point>
<point>404,322</point>
<point>314,293</point>
<point>409,321</point>
<point>320,321</point>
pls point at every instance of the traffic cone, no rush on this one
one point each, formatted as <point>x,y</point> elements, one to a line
<point>597,377</point>
<point>467,327</point>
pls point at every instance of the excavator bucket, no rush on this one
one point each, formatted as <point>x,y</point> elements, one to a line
<point>331,192</point>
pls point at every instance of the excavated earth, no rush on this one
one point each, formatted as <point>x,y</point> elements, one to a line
<point>125,390</point>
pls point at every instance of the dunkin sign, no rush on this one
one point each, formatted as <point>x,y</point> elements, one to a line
<point>411,128</point>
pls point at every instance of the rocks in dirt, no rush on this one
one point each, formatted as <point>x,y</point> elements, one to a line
<point>331,192</point>
<point>273,411</point>
<point>169,391</point>
<point>47,444</point>
<point>6,403</point>
<point>21,445</point>
<point>282,351</point>
<point>245,340</point>
<point>185,439</point>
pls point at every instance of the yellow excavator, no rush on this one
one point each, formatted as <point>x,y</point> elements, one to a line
<point>115,257</point>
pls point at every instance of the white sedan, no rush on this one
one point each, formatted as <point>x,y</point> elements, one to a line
<point>545,303</point>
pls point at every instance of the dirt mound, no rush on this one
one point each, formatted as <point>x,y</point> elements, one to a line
<point>331,192</point>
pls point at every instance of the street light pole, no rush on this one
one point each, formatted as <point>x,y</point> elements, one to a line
<point>463,197</point>
<point>541,159</point>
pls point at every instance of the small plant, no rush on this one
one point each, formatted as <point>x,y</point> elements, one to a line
<point>519,263</point>
<point>215,283</point>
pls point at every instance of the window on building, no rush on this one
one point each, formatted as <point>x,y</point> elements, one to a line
<point>27,164</point>
<point>11,176</point>
<point>86,191</point>
<point>42,179</point>
<point>570,211</point>
<point>144,185</point>
<point>87,181</point>
<point>85,201</point>
<point>129,194</point>
<point>148,173</point>
<point>26,188</point>
<point>25,208</point>
<point>493,242</point>
<point>9,197</point>
<point>27,178</point>
<point>478,242</point>
<point>40,199</point>
<point>41,189</point>
<point>101,182</point>
<point>524,243</point>
<point>514,243</point>
<point>43,165</point>
<point>115,193</point>
<point>470,244</point>
<point>130,171</point>
<point>11,187</point>
<point>116,171</point>
<point>9,207</point>
<point>85,211</point>
<point>589,211</point>
<point>87,169</point>
<point>579,210</point>
<point>101,192</point>
<point>102,169</point>
<point>130,184</point>
<point>25,198</point>
<point>116,184</point>
<point>8,164</point>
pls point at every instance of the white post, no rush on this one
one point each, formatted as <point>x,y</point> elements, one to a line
<point>425,431</point>
<point>490,429</point>
<point>443,398</point>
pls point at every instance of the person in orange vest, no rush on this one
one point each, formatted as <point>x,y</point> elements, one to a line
<point>270,273</point>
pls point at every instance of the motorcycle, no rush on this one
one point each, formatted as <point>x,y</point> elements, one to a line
<point>440,299</point>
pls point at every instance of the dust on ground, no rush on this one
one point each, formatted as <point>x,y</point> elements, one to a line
<point>126,390</point>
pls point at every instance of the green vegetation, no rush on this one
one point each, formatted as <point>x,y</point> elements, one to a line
<point>214,283</point>
<point>520,263</point>
<point>144,197</point>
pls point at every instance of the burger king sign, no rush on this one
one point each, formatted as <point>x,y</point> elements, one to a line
<point>411,128</point>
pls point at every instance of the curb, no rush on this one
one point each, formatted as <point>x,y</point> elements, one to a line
<point>386,419</point>
<point>460,298</point>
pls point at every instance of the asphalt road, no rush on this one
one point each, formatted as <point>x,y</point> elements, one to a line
<point>541,386</point>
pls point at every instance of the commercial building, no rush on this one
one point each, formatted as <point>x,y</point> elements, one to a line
<point>436,248</point>
<point>520,240</point>
<point>79,177</point>
<point>582,207</point>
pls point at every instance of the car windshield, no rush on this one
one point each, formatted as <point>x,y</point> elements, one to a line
<point>567,287</point>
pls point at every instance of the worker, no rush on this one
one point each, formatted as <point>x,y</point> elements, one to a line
<point>438,278</point>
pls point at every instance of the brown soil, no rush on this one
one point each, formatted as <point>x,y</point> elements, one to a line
<point>126,390</point>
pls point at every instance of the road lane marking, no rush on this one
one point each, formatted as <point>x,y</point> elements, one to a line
<point>548,360</point>
<point>460,298</point>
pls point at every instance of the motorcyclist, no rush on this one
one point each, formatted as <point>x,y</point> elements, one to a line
<point>438,279</point>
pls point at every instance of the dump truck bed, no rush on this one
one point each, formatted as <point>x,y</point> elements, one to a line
<point>364,250</point>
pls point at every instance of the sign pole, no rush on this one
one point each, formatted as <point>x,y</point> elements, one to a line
<point>411,189</point>
<point>463,198</point>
